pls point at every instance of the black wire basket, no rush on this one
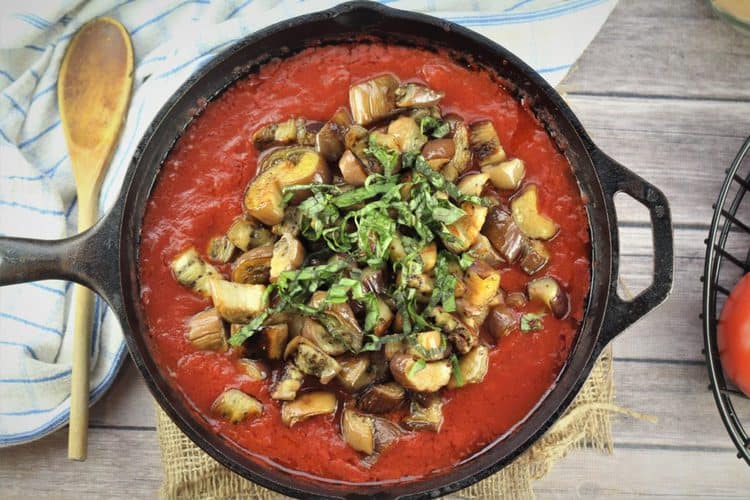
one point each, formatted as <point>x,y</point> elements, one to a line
<point>727,260</point>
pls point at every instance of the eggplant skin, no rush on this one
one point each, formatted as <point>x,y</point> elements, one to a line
<point>381,398</point>
<point>503,233</point>
<point>414,95</point>
<point>207,331</point>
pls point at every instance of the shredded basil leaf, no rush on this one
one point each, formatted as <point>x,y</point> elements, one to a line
<point>442,184</point>
<point>417,367</point>
<point>435,127</point>
<point>465,261</point>
<point>457,375</point>
<point>386,157</point>
<point>250,329</point>
<point>376,343</point>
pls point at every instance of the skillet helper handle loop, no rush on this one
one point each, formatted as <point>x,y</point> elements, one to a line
<point>618,179</point>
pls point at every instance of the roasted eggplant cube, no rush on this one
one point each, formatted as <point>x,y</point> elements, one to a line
<point>220,249</point>
<point>414,95</point>
<point>535,257</point>
<point>381,398</point>
<point>500,321</point>
<point>459,333</point>
<point>352,169</point>
<point>472,367</point>
<point>418,375</point>
<point>366,433</point>
<point>235,302</point>
<point>485,144</point>
<point>465,230</point>
<point>264,199</point>
<point>247,234</point>
<point>254,266</point>
<point>307,405</point>
<point>528,218</point>
<point>462,154</point>
<point>549,291</point>
<point>310,359</point>
<point>254,369</point>
<point>504,234</point>
<point>236,406</point>
<point>482,250</point>
<point>355,372</point>
<point>506,175</point>
<point>191,271</point>
<point>288,255</point>
<point>207,332</point>
<point>373,99</point>
<point>425,415</point>
<point>430,346</point>
<point>438,152</point>
<point>288,384</point>
<point>321,337</point>
<point>273,340</point>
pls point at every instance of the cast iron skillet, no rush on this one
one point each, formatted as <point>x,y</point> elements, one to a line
<point>105,258</point>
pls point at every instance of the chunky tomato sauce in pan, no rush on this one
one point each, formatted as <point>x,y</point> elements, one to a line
<point>199,193</point>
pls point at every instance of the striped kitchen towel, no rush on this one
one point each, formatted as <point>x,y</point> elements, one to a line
<point>171,39</point>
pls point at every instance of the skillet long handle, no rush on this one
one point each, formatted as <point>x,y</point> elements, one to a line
<point>23,259</point>
<point>90,258</point>
<point>617,179</point>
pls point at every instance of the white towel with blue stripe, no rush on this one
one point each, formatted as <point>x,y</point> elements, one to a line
<point>171,39</point>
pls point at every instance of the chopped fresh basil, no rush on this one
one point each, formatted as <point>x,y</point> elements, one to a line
<point>417,367</point>
<point>465,261</point>
<point>457,375</point>
<point>248,330</point>
<point>386,157</point>
<point>362,223</point>
<point>375,343</point>
<point>437,128</point>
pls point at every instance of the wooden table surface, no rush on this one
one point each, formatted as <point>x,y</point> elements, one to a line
<point>664,89</point>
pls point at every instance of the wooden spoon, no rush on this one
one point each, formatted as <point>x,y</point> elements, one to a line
<point>93,92</point>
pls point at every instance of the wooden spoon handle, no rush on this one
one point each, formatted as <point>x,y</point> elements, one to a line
<point>83,299</point>
<point>83,302</point>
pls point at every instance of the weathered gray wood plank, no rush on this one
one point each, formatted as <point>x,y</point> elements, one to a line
<point>125,464</point>
<point>678,396</point>
<point>127,404</point>
<point>120,464</point>
<point>669,48</point>
<point>682,147</point>
<point>657,116</point>
<point>650,473</point>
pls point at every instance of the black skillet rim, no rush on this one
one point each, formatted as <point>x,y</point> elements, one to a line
<point>592,345</point>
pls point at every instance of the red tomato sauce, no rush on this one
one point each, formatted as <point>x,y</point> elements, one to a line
<point>199,193</point>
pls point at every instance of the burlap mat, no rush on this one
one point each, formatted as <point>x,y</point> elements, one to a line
<point>190,473</point>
